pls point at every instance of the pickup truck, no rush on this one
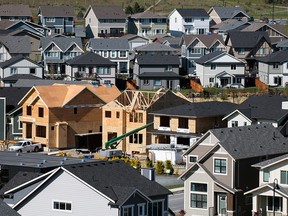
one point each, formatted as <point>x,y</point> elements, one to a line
<point>25,146</point>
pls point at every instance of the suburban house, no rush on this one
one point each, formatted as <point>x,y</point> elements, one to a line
<point>11,128</point>
<point>156,71</point>
<point>68,119</point>
<point>105,21</point>
<point>271,194</point>
<point>177,128</point>
<point>14,12</point>
<point>195,46</point>
<point>135,40</point>
<point>126,119</point>
<point>11,81</point>
<point>14,45</point>
<point>218,168</point>
<point>221,70</point>
<point>60,19</point>
<point>91,66</point>
<point>246,46</point>
<point>20,65</point>
<point>282,45</point>
<point>147,24</point>
<point>114,49</point>
<point>56,50</point>
<point>188,21</point>
<point>220,14</point>
<point>273,69</point>
<point>119,190</point>
<point>257,110</point>
<point>156,48</point>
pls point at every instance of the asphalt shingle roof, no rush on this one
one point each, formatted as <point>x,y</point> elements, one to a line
<point>17,44</point>
<point>243,39</point>
<point>251,141</point>
<point>16,77</point>
<point>16,59</point>
<point>41,82</point>
<point>199,109</point>
<point>270,161</point>
<point>206,58</point>
<point>6,210</point>
<point>109,12</point>
<point>147,15</point>
<point>228,12</point>
<point>155,47</point>
<point>158,59</point>
<point>109,43</point>
<point>207,40</point>
<point>15,10</point>
<point>276,57</point>
<point>62,42</point>
<point>192,12</point>
<point>57,11</point>
<point>162,75</point>
<point>90,58</point>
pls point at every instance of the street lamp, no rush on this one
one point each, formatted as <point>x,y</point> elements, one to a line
<point>275,186</point>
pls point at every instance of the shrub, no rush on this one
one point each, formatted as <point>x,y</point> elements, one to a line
<point>126,160</point>
<point>159,167</point>
<point>136,163</point>
<point>168,166</point>
<point>148,163</point>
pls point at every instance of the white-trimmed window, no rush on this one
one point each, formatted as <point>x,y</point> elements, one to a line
<point>105,54</point>
<point>145,82</point>
<point>141,209</point>
<point>50,19</point>
<point>113,54</point>
<point>157,83</point>
<point>13,71</point>
<point>283,177</point>
<point>234,123</point>
<point>266,175</point>
<point>198,195</point>
<point>168,68</point>
<point>275,65</point>
<point>211,79</point>
<point>81,68</point>
<point>195,51</point>
<point>53,54</point>
<point>62,206</point>
<point>220,165</point>
<point>158,208</point>
<point>213,66</point>
<point>128,210</point>
<point>122,54</point>
<point>233,66</point>
<point>193,158</point>
<point>241,51</point>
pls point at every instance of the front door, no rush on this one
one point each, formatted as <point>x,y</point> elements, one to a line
<point>225,81</point>
<point>222,204</point>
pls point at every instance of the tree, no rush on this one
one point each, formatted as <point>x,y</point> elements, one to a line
<point>159,167</point>
<point>168,166</point>
<point>137,8</point>
<point>129,10</point>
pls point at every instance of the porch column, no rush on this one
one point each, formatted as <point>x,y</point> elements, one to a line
<point>284,206</point>
<point>254,204</point>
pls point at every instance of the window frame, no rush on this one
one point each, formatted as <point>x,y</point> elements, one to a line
<point>61,210</point>
<point>50,19</point>
<point>41,112</point>
<point>108,114</point>
<point>233,66</point>
<point>282,181</point>
<point>220,166</point>
<point>213,67</point>
<point>128,207</point>
<point>198,193</point>
<point>192,156</point>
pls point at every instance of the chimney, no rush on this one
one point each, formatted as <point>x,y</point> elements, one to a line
<point>284,105</point>
<point>148,173</point>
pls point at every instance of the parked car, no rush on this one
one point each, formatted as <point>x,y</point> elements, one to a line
<point>26,146</point>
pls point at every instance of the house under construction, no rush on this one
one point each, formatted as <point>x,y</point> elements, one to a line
<point>126,118</point>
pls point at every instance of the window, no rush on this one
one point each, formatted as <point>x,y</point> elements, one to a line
<point>198,196</point>
<point>202,19</point>
<point>168,68</point>
<point>123,54</point>
<point>28,110</point>
<point>13,71</point>
<point>136,117</point>
<point>40,112</point>
<point>183,123</point>
<point>145,82</point>
<point>234,123</point>
<point>275,65</point>
<point>113,54</point>
<point>108,114</point>
<point>201,31</point>
<point>81,69</point>
<point>220,166</point>
<point>50,19</point>
<point>32,70</point>
<point>20,125</point>
<point>128,210</point>
<point>188,19</point>
<point>175,19</point>
<point>53,54</point>
<point>158,208</point>
<point>266,175</point>
<point>117,114</point>
<point>213,66</point>
<point>233,66</point>
<point>277,203</point>
<point>211,80</point>
<point>52,128</point>
<point>41,131</point>
<point>278,81</point>
<point>192,158</point>
<point>105,54</point>
<point>136,138</point>
<point>75,110</point>
<point>157,82</point>
<point>141,209</point>
<point>284,177</point>
<point>195,51</point>
<point>241,51</point>
<point>103,70</point>
<point>63,206</point>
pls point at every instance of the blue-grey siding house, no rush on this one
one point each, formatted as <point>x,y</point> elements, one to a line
<point>60,19</point>
<point>10,127</point>
<point>156,71</point>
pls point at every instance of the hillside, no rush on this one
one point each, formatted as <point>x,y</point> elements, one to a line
<point>255,8</point>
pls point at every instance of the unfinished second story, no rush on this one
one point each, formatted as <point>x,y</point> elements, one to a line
<point>14,12</point>
<point>105,21</point>
<point>60,19</point>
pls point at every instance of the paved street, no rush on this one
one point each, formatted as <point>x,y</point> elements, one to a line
<point>176,201</point>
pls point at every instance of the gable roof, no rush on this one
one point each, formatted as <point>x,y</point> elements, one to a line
<point>6,210</point>
<point>229,24</point>
<point>107,12</point>
<point>18,10</point>
<point>276,57</point>
<point>158,59</point>
<point>16,59</point>
<point>270,162</point>
<point>155,47</point>
<point>251,141</point>
<point>215,55</point>
<point>198,110</point>
<point>109,44</point>
<point>243,39</point>
<point>63,43</point>
<point>228,12</point>
<point>148,15</point>
<point>192,12</point>
<point>15,77</point>
<point>90,58</point>
<point>207,40</point>
<point>16,44</point>
<point>56,11</point>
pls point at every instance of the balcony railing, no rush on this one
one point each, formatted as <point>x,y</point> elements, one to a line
<point>84,75</point>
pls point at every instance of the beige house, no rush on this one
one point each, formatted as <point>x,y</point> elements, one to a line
<point>59,116</point>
